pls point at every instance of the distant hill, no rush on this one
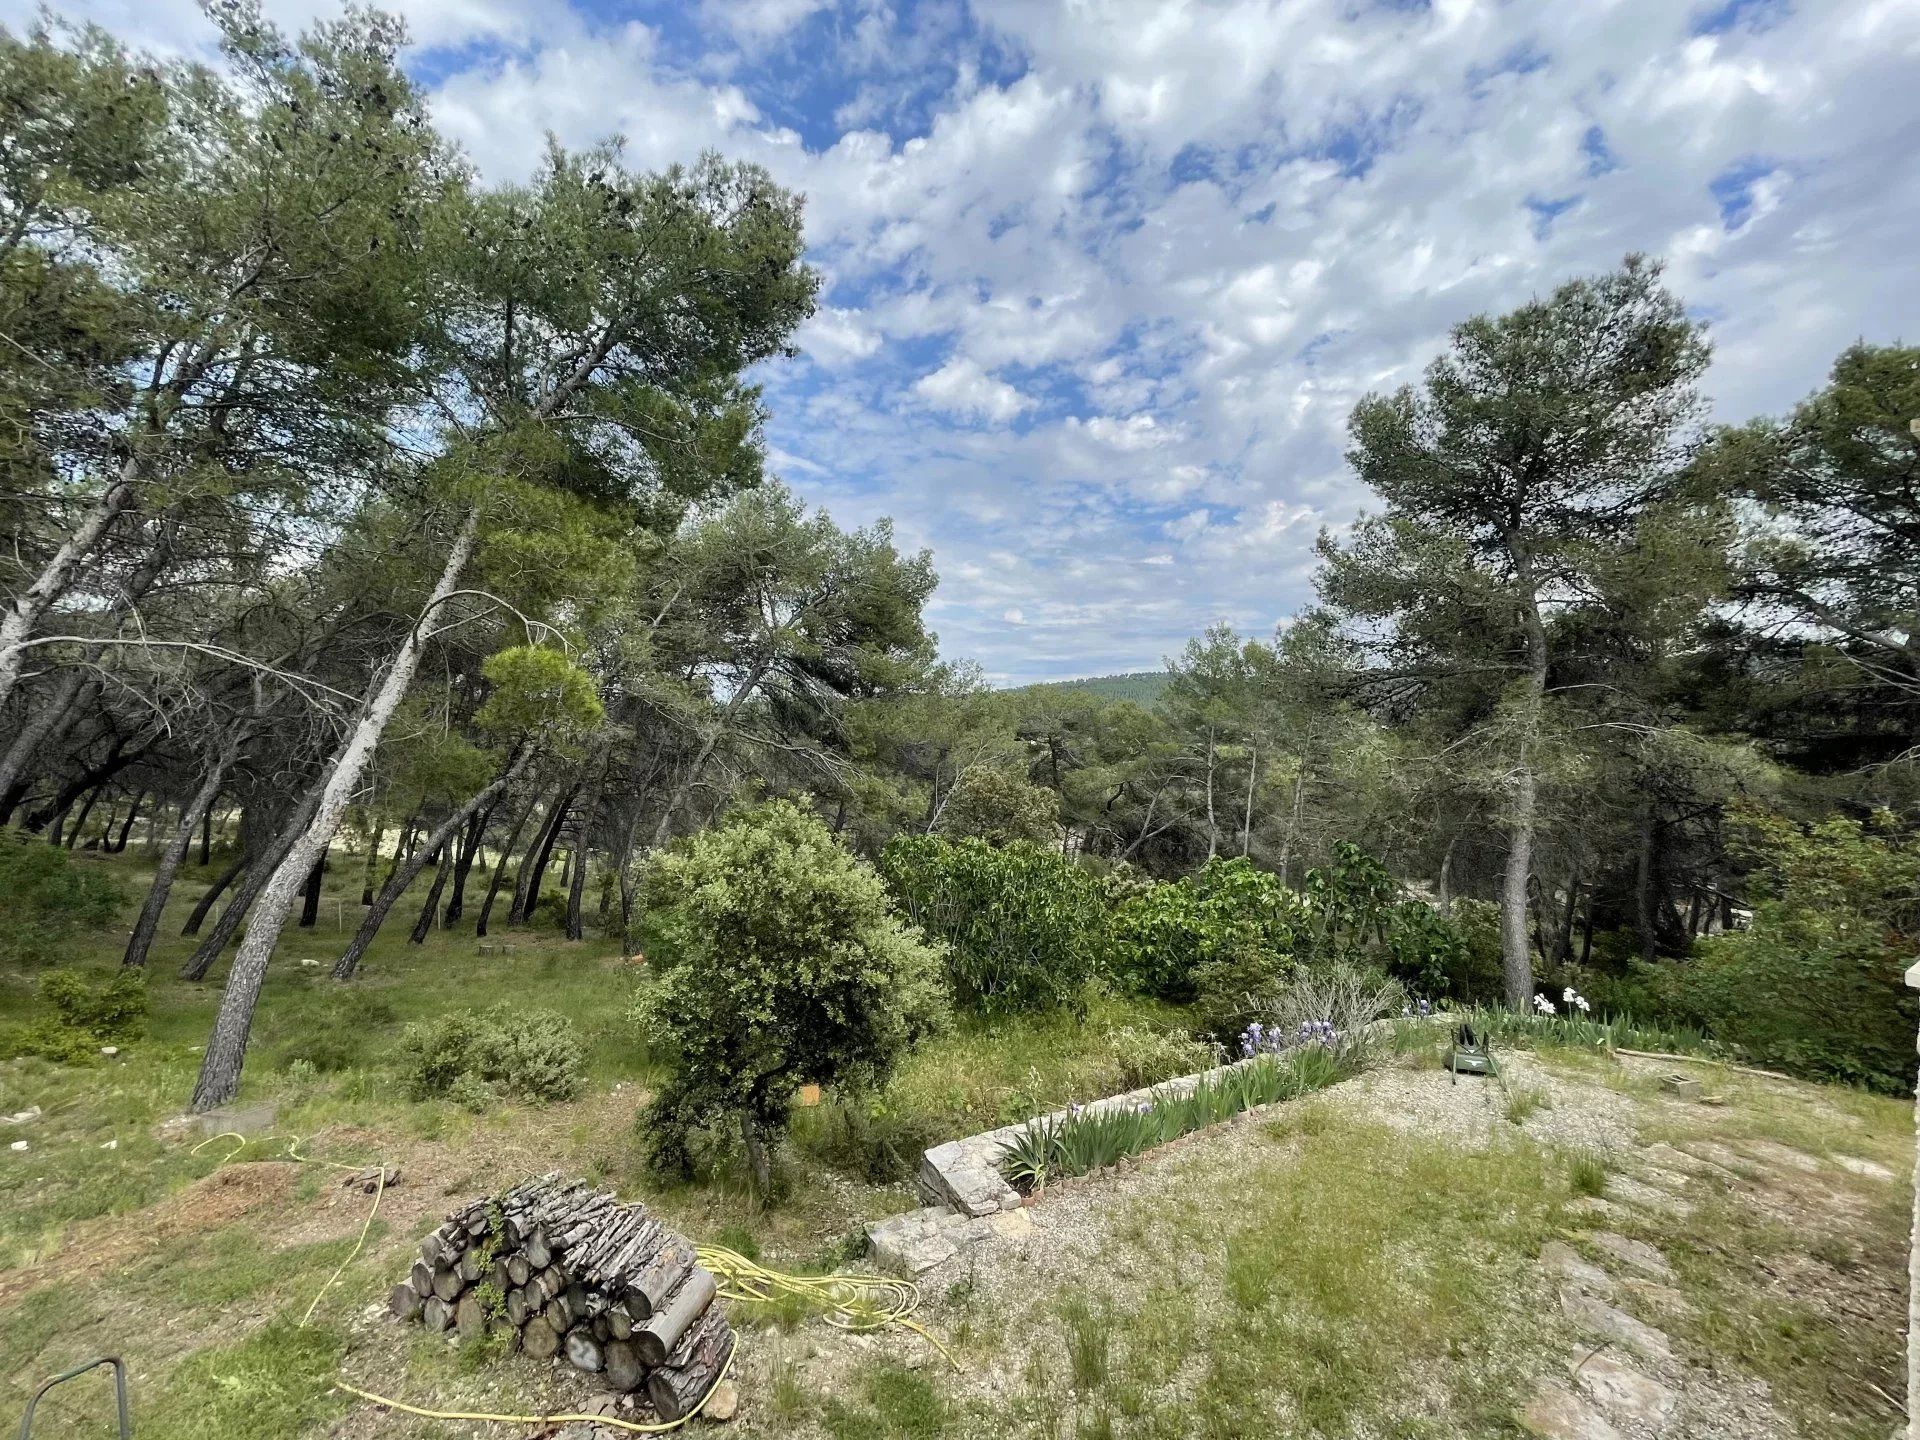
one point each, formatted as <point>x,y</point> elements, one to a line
<point>1143,687</point>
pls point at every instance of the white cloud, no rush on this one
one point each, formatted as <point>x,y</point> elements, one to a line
<point>1178,242</point>
<point>962,388</point>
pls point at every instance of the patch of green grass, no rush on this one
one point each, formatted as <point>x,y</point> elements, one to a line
<point>1089,1344</point>
<point>900,1405</point>
<point>1522,1103</point>
<point>1330,1302</point>
<point>1829,1347</point>
<point>273,1385</point>
<point>1587,1172</point>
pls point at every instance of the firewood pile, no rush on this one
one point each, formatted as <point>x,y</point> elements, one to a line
<point>573,1272</point>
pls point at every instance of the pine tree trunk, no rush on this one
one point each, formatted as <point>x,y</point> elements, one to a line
<point>33,734</point>
<point>310,892</point>
<point>499,875</point>
<point>254,882</point>
<point>119,846</point>
<point>214,892</point>
<point>373,862</point>
<point>26,609</point>
<point>148,925</point>
<point>80,822</point>
<point>428,910</point>
<point>526,892</point>
<point>206,837</point>
<point>227,1046</point>
<point>463,863</point>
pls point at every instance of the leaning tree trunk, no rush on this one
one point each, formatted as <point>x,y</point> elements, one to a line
<point>418,935</point>
<point>310,893</point>
<point>526,888</point>
<point>148,924</point>
<point>119,846</point>
<point>214,892</point>
<point>373,862</point>
<point>470,842</point>
<point>499,875</point>
<point>255,881</point>
<point>227,1046</point>
<point>24,613</point>
<point>34,732</point>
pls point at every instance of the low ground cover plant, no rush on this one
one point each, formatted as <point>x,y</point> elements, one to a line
<point>475,1057</point>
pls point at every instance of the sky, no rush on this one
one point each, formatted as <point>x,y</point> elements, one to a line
<point>1102,279</point>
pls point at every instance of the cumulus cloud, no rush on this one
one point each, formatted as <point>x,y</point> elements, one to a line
<point>960,387</point>
<point>1105,280</point>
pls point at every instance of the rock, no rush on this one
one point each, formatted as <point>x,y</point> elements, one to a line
<point>26,1116</point>
<point>1672,1158</point>
<point>1012,1224</point>
<point>723,1404</point>
<point>227,1119</point>
<point>1873,1170</point>
<point>1556,1413</point>
<point>909,1245</point>
<point>1636,1254</point>
<point>604,1403</point>
<point>18,1145</point>
<point>1781,1157</point>
<point>1629,1191</point>
<point>1564,1261</point>
<point>111,1145</point>
<point>1601,1319</point>
<point>109,1051</point>
<point>1624,1392</point>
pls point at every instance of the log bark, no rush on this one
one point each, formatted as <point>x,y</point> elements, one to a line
<point>447,1284</point>
<point>436,1314</point>
<point>678,1388</point>
<point>404,1301</point>
<point>656,1339</point>
<point>583,1351</point>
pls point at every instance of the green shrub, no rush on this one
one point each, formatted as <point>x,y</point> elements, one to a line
<point>1234,988</point>
<point>780,962</point>
<point>1452,958</point>
<point>468,1057</point>
<point>1024,928</point>
<point>1790,997</point>
<point>1165,936</point>
<point>1000,806</point>
<point>45,896</point>
<point>106,1009</point>
<point>348,1033</point>
<point>1814,984</point>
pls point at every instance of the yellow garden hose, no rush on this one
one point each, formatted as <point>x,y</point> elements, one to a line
<point>849,1302</point>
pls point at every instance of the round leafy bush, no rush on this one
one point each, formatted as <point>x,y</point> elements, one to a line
<point>532,1055</point>
<point>1024,927</point>
<point>780,963</point>
<point>999,806</point>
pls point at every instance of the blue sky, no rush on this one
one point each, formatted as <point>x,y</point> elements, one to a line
<point>1104,277</point>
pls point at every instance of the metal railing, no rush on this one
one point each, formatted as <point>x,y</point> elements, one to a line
<point>119,1393</point>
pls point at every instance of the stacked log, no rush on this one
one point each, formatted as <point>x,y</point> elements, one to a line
<point>573,1273</point>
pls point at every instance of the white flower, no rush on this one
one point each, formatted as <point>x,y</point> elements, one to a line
<point>1581,1002</point>
<point>1543,1005</point>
